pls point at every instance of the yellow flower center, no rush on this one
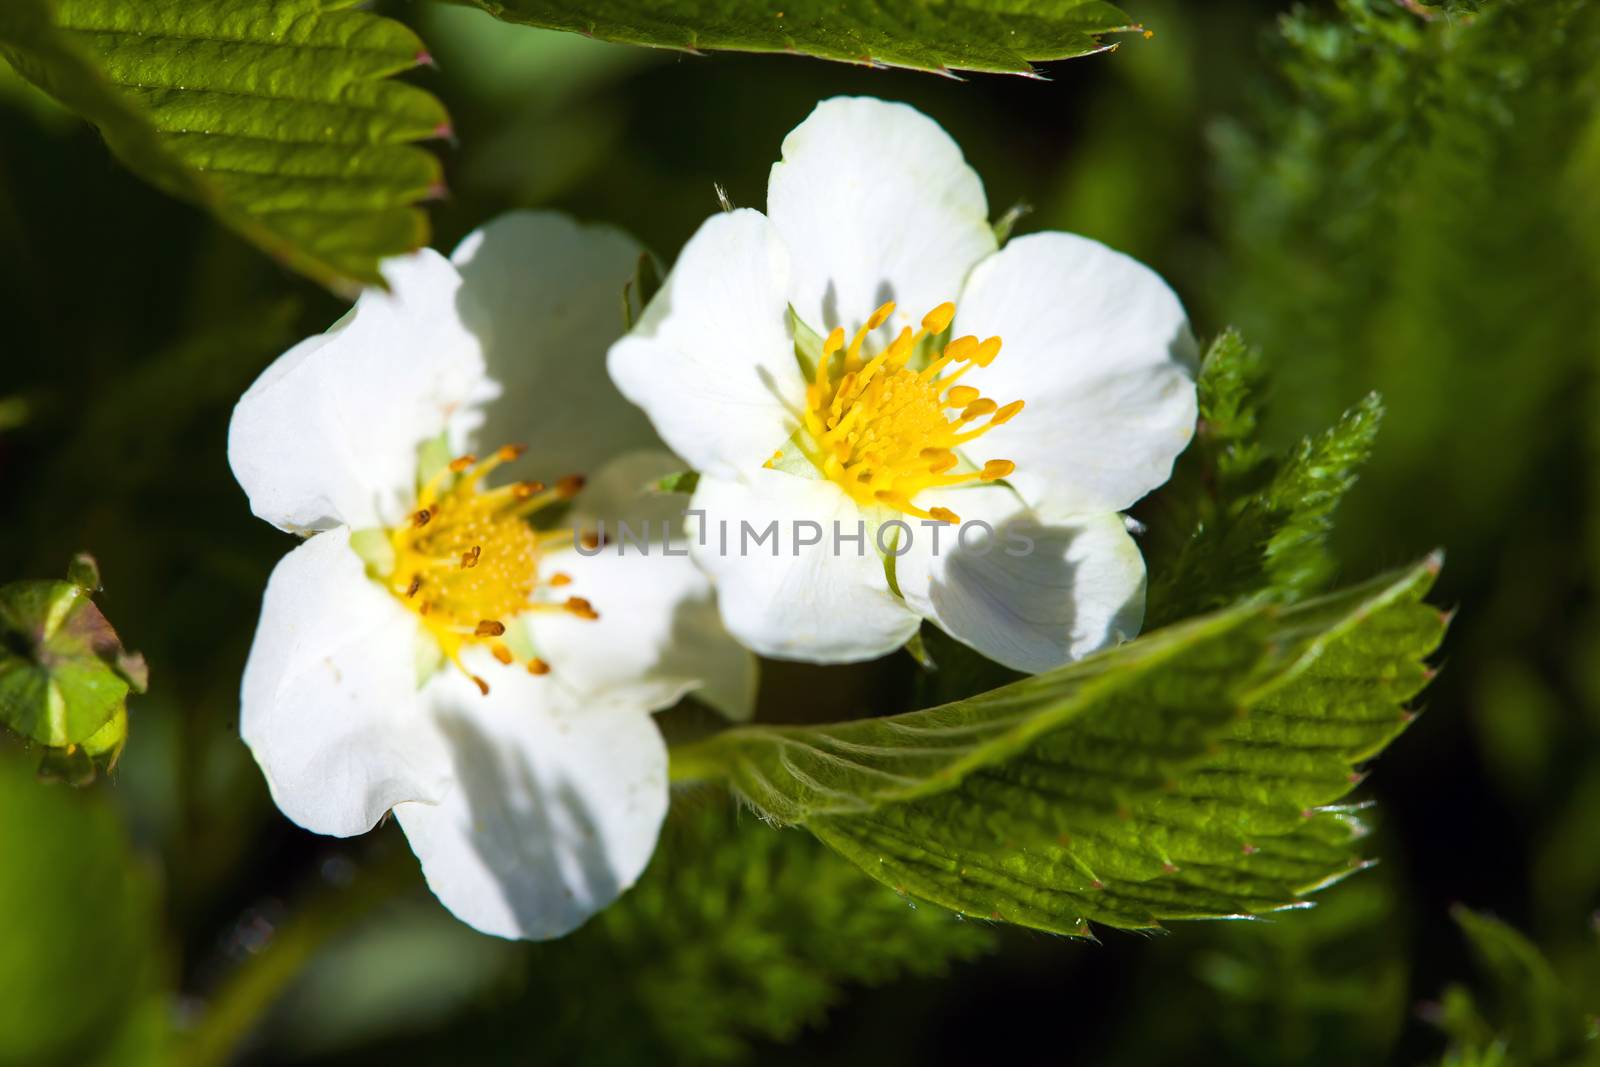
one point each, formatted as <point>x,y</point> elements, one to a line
<point>469,560</point>
<point>885,432</point>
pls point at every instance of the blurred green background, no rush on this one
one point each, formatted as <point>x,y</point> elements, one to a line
<point>1381,196</point>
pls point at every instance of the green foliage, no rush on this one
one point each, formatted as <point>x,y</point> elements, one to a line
<point>984,35</point>
<point>1534,1019</point>
<point>736,934</point>
<point>1327,986</point>
<point>1324,985</point>
<point>1410,207</point>
<point>1256,521</point>
<point>80,962</point>
<point>278,116</point>
<point>1399,213</point>
<point>64,675</point>
<point>1188,774</point>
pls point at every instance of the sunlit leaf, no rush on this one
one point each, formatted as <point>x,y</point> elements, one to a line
<point>980,35</point>
<point>278,116</point>
<point>1192,773</point>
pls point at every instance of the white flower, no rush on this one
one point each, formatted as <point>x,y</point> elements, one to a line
<point>1075,395</point>
<point>427,650</point>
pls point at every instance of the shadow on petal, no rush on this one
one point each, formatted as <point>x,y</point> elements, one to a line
<point>1035,594</point>
<point>530,831</point>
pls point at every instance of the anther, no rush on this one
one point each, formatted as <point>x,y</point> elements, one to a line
<point>581,607</point>
<point>483,686</point>
<point>558,579</point>
<point>589,540</point>
<point>501,653</point>
<point>490,628</point>
<point>421,518</point>
<point>962,348</point>
<point>469,558</point>
<point>1007,413</point>
<point>986,352</point>
<point>996,469</point>
<point>538,666</point>
<point>508,453</point>
<point>461,463</point>
<point>416,584</point>
<point>570,486</point>
<point>938,320</point>
<point>944,515</point>
<point>523,490</point>
<point>961,395</point>
<point>978,408</point>
<point>881,316</point>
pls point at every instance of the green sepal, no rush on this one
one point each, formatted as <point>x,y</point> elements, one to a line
<point>376,551</point>
<point>1008,222</point>
<point>640,289</point>
<point>807,345</point>
<point>917,649</point>
<point>433,456</point>
<point>428,658</point>
<point>685,482</point>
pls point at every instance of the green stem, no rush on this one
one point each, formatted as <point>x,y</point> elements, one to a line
<point>246,995</point>
<point>697,761</point>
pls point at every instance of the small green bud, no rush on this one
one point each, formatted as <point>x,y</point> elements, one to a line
<point>64,675</point>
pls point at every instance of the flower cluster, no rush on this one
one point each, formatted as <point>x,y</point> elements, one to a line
<point>449,643</point>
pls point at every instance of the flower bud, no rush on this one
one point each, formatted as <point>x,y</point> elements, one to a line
<point>64,675</point>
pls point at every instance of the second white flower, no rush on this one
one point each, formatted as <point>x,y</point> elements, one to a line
<point>865,356</point>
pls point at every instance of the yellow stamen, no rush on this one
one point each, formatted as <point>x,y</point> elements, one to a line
<point>467,559</point>
<point>885,432</point>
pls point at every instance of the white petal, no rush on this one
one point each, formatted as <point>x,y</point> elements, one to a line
<point>328,434</point>
<point>543,296</point>
<point>875,203</point>
<point>1038,592</point>
<point>626,488</point>
<point>825,603</point>
<point>659,635</point>
<point>329,701</point>
<point>555,810</point>
<point>1099,348</point>
<point>711,360</point>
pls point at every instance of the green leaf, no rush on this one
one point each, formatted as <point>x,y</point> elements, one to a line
<point>1192,773</point>
<point>1535,1018</point>
<point>278,116</point>
<point>80,962</point>
<point>983,35</point>
<point>1256,521</point>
